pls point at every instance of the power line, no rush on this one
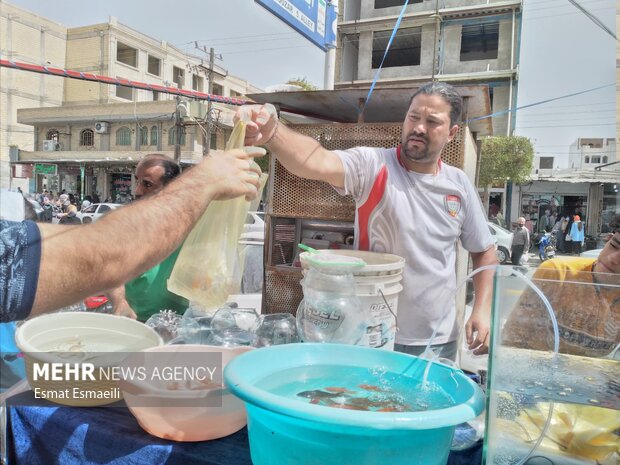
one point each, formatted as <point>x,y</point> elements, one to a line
<point>537,7</point>
<point>593,18</point>
<point>513,110</point>
<point>241,37</point>
<point>565,126</point>
<point>527,17</point>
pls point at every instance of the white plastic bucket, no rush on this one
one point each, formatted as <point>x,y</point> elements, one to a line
<point>381,275</point>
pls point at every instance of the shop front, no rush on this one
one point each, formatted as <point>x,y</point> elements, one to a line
<point>120,188</point>
<point>542,203</point>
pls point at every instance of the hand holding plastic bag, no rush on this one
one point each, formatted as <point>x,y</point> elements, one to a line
<point>208,268</point>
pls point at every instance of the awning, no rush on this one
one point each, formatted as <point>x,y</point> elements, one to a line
<point>386,105</point>
<point>611,176</point>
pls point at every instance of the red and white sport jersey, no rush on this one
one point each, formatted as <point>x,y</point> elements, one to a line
<point>419,217</point>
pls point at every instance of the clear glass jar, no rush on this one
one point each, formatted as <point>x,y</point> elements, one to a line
<point>330,310</point>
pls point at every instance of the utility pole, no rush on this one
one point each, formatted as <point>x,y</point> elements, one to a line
<point>210,128</point>
<point>178,127</point>
<point>209,102</point>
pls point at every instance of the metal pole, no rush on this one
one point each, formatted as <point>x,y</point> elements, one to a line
<point>207,144</point>
<point>330,65</point>
<point>178,127</point>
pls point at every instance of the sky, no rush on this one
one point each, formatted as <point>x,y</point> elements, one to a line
<point>562,52</point>
<point>254,44</point>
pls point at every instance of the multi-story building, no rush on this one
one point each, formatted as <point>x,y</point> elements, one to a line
<point>458,41</point>
<point>28,38</point>
<point>88,149</point>
<point>108,49</point>
<point>587,153</point>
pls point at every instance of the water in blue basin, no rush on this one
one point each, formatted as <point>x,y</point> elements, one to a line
<point>357,388</point>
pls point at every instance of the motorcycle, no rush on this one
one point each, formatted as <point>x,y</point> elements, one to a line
<point>546,246</point>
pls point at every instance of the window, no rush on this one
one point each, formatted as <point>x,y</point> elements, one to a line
<point>178,76</point>
<point>124,92</point>
<point>235,94</point>
<point>172,133</point>
<point>479,41</point>
<point>389,3</point>
<point>404,51</point>
<point>154,66</point>
<point>126,54</point>
<point>605,159</point>
<point>197,83</point>
<point>587,159</point>
<point>546,163</point>
<point>596,159</point>
<point>87,137</point>
<point>52,134</point>
<point>218,89</point>
<point>144,135</point>
<point>154,135</point>
<point>123,136</point>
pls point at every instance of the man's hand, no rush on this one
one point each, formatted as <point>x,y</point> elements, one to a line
<point>124,309</point>
<point>477,331</point>
<point>261,122</point>
<point>120,306</point>
<point>232,174</point>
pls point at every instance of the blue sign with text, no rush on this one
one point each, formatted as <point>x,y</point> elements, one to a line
<point>314,19</point>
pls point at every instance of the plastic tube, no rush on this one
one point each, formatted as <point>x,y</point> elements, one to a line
<point>554,322</point>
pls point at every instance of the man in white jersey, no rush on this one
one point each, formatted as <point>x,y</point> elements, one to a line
<point>410,204</point>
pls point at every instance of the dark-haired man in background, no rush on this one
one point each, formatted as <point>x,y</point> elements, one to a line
<point>147,294</point>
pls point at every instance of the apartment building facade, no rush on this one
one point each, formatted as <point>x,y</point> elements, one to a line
<point>457,41</point>
<point>108,49</point>
<point>28,38</point>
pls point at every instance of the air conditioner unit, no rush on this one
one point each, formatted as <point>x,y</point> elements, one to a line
<point>102,127</point>
<point>50,145</point>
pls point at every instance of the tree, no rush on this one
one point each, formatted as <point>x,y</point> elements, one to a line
<point>303,83</point>
<point>502,159</point>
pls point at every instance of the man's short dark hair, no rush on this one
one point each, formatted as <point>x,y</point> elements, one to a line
<point>171,168</point>
<point>449,94</point>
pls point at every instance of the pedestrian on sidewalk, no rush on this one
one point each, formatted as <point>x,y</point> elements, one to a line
<point>577,234</point>
<point>520,242</point>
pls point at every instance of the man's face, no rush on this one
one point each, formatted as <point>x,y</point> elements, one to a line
<point>426,130</point>
<point>149,180</point>
<point>609,259</point>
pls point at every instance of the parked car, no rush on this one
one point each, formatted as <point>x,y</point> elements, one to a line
<point>254,227</point>
<point>503,241</point>
<point>96,211</point>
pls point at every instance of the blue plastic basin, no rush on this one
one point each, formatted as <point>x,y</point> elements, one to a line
<point>285,430</point>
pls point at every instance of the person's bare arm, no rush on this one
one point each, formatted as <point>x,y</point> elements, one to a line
<point>479,322</point>
<point>301,155</point>
<point>79,261</point>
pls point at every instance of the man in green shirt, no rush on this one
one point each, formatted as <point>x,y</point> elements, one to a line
<point>147,294</point>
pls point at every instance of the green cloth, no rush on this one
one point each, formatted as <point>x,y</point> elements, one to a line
<point>148,294</point>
